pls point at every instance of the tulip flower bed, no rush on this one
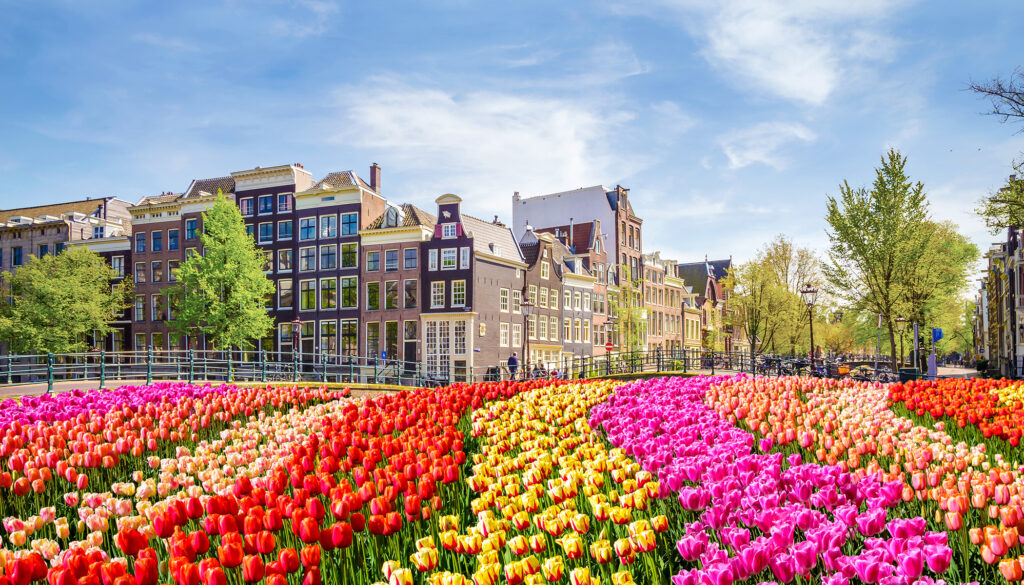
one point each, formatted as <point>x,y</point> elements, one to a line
<point>980,409</point>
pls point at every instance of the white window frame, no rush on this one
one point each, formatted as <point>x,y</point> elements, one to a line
<point>464,258</point>
<point>517,301</point>
<point>577,300</point>
<point>567,300</point>
<point>567,330</point>
<point>586,331</point>
<point>432,262</point>
<point>553,328</point>
<point>586,302</point>
<point>448,231</point>
<point>545,269</point>
<point>259,232</point>
<point>503,300</point>
<point>503,334</point>
<point>517,335</point>
<point>316,259</point>
<point>455,290</point>
<point>542,300</point>
<point>454,253</point>
<point>437,290</point>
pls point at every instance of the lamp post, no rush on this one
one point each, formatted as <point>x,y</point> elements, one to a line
<point>296,326</point>
<point>901,325</point>
<point>810,296</point>
<point>527,312</point>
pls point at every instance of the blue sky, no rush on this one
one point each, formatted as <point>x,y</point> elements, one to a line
<point>729,121</point>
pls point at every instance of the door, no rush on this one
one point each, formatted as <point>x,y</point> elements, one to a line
<point>409,355</point>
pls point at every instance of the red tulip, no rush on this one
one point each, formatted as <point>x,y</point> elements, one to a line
<point>290,559</point>
<point>310,556</point>
<point>230,555</point>
<point>252,569</point>
<point>265,542</point>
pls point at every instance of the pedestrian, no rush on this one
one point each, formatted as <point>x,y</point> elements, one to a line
<point>513,365</point>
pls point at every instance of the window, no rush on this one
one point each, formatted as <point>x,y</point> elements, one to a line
<point>411,335</point>
<point>517,301</point>
<point>44,249</point>
<point>307,295</point>
<point>307,228</point>
<point>157,307</point>
<point>307,259</point>
<point>410,258</point>
<point>157,270</point>
<point>284,229</point>
<point>543,300</point>
<point>172,239</point>
<point>266,204</point>
<point>166,301</point>
<point>329,337</point>
<point>576,331</point>
<point>372,261</point>
<point>140,273</point>
<point>577,300</point>
<point>284,260</point>
<point>372,296</point>
<point>459,333</point>
<point>328,226</point>
<point>329,257</point>
<point>190,229</point>
<point>349,255</point>
<point>140,242</point>
<point>245,205</point>
<point>284,202</point>
<point>531,327</point>
<point>373,339</point>
<point>553,328</point>
<point>97,232</point>
<point>566,299</point>
<point>266,233</point>
<point>532,296</point>
<point>349,293</point>
<point>503,334</point>
<point>542,328</point>
<point>60,247</point>
<point>567,330</point>
<point>349,335</point>
<point>328,293</point>
<point>459,293</point>
<point>448,259</point>
<point>158,241</point>
<point>464,258</point>
<point>517,335</point>
<point>390,260</point>
<point>503,300</point>
<point>437,294</point>
<point>172,269</point>
<point>349,224</point>
<point>586,331</point>
<point>432,265</point>
<point>16,256</point>
<point>448,231</point>
<point>117,263</point>
<point>284,294</point>
<point>140,308</point>
<point>545,269</point>
<point>586,302</point>
<point>391,294</point>
<point>410,294</point>
<point>250,230</point>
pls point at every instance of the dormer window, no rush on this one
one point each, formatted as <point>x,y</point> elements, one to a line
<point>448,230</point>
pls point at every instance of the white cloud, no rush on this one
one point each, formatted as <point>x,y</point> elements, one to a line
<point>799,50</point>
<point>315,21</point>
<point>483,144</point>
<point>169,43</point>
<point>672,119</point>
<point>762,143</point>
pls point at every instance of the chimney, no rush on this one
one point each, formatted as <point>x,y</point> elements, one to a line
<point>495,220</point>
<point>375,178</point>
<point>570,237</point>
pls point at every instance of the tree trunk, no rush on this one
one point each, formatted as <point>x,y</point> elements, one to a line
<point>892,347</point>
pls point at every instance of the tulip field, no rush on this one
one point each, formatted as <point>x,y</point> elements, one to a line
<point>690,481</point>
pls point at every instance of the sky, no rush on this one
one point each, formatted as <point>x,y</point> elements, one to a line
<point>729,121</point>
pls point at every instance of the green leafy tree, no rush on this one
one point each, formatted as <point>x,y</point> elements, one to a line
<point>793,267</point>
<point>56,303</point>
<point>761,300</point>
<point>629,315</point>
<point>1004,208</point>
<point>875,240</point>
<point>222,293</point>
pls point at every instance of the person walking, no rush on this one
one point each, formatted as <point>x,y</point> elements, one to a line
<point>513,365</point>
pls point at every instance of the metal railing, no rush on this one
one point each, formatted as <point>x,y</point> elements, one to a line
<point>103,368</point>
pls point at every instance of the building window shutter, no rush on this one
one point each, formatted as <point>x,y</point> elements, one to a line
<point>437,231</point>
<point>458,230</point>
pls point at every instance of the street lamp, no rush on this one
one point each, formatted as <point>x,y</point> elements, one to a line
<point>810,296</point>
<point>296,326</point>
<point>901,325</point>
<point>527,311</point>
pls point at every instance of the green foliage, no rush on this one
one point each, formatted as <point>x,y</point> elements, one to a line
<point>762,300</point>
<point>223,292</point>
<point>55,303</point>
<point>877,237</point>
<point>630,322</point>
<point>1004,208</point>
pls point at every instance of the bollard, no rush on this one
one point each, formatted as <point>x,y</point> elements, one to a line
<point>149,365</point>
<point>231,369</point>
<point>49,373</point>
<point>191,365</point>
<point>10,372</point>
<point>263,374</point>
<point>103,368</point>
<point>323,374</point>
<point>295,366</point>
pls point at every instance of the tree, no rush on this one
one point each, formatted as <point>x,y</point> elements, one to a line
<point>793,267</point>
<point>1006,96</point>
<point>1004,208</point>
<point>940,277</point>
<point>755,291</point>
<point>875,239</point>
<point>628,313</point>
<point>222,292</point>
<point>55,304</point>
